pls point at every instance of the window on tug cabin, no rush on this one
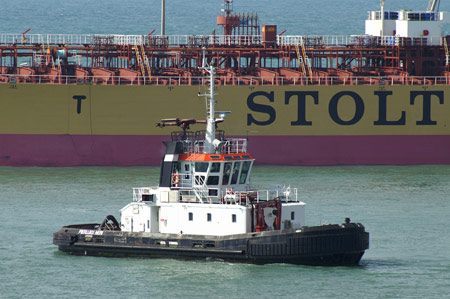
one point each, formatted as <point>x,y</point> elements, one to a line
<point>201,166</point>
<point>244,172</point>
<point>215,167</point>
<point>214,179</point>
<point>236,168</point>
<point>226,173</point>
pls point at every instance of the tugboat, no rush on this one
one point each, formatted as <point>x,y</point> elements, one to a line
<point>205,207</point>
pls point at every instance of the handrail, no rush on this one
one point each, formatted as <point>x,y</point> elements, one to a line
<point>211,40</point>
<point>115,39</point>
<point>224,80</point>
<point>138,192</point>
<point>312,41</point>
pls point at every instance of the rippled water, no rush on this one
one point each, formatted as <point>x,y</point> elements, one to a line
<point>405,209</point>
<point>298,17</point>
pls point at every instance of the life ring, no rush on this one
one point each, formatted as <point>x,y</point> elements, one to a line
<point>13,79</point>
<point>176,178</point>
<point>229,192</point>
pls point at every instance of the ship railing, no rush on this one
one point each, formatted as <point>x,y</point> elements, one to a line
<point>47,39</point>
<point>322,79</point>
<point>285,194</point>
<point>200,195</point>
<point>318,41</point>
<point>230,146</point>
<point>139,192</point>
<point>157,41</point>
<point>195,189</point>
<point>193,146</point>
<point>203,194</point>
<point>115,39</point>
<point>235,146</point>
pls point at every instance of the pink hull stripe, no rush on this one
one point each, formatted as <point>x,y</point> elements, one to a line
<point>351,150</point>
<point>106,150</point>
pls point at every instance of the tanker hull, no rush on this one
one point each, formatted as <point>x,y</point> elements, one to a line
<point>70,125</point>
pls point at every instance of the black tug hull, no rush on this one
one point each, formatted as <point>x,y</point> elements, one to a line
<point>327,245</point>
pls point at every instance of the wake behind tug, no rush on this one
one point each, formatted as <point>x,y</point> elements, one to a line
<point>204,207</point>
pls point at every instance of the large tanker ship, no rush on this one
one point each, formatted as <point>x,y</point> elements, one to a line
<point>377,98</point>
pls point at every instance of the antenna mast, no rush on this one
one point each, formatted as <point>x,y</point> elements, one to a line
<point>382,2</point>
<point>210,134</point>
<point>163,17</point>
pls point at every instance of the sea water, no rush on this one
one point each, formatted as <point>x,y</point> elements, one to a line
<point>406,209</point>
<point>297,17</point>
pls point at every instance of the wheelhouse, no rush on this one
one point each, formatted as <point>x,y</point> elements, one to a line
<point>215,172</point>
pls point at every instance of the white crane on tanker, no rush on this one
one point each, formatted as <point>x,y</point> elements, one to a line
<point>433,6</point>
<point>382,17</point>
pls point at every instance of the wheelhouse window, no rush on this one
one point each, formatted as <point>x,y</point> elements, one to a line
<point>201,166</point>
<point>233,218</point>
<point>236,168</point>
<point>213,180</point>
<point>292,215</point>
<point>215,167</point>
<point>226,173</point>
<point>244,172</point>
<point>208,217</point>
<point>191,216</point>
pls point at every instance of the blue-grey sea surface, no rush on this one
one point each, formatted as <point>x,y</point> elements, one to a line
<point>298,17</point>
<point>406,209</point>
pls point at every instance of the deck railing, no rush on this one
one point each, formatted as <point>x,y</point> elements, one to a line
<point>114,39</point>
<point>228,197</point>
<point>212,40</point>
<point>138,192</point>
<point>315,41</point>
<point>224,80</point>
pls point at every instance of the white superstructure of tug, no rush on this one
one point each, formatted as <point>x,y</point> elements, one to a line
<point>205,190</point>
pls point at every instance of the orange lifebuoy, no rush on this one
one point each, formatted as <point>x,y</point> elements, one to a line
<point>176,178</point>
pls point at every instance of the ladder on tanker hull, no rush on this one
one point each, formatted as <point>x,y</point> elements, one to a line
<point>447,54</point>
<point>46,57</point>
<point>303,60</point>
<point>142,60</point>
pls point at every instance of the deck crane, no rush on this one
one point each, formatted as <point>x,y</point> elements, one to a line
<point>382,2</point>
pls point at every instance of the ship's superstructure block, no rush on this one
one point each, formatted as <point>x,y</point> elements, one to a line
<point>423,25</point>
